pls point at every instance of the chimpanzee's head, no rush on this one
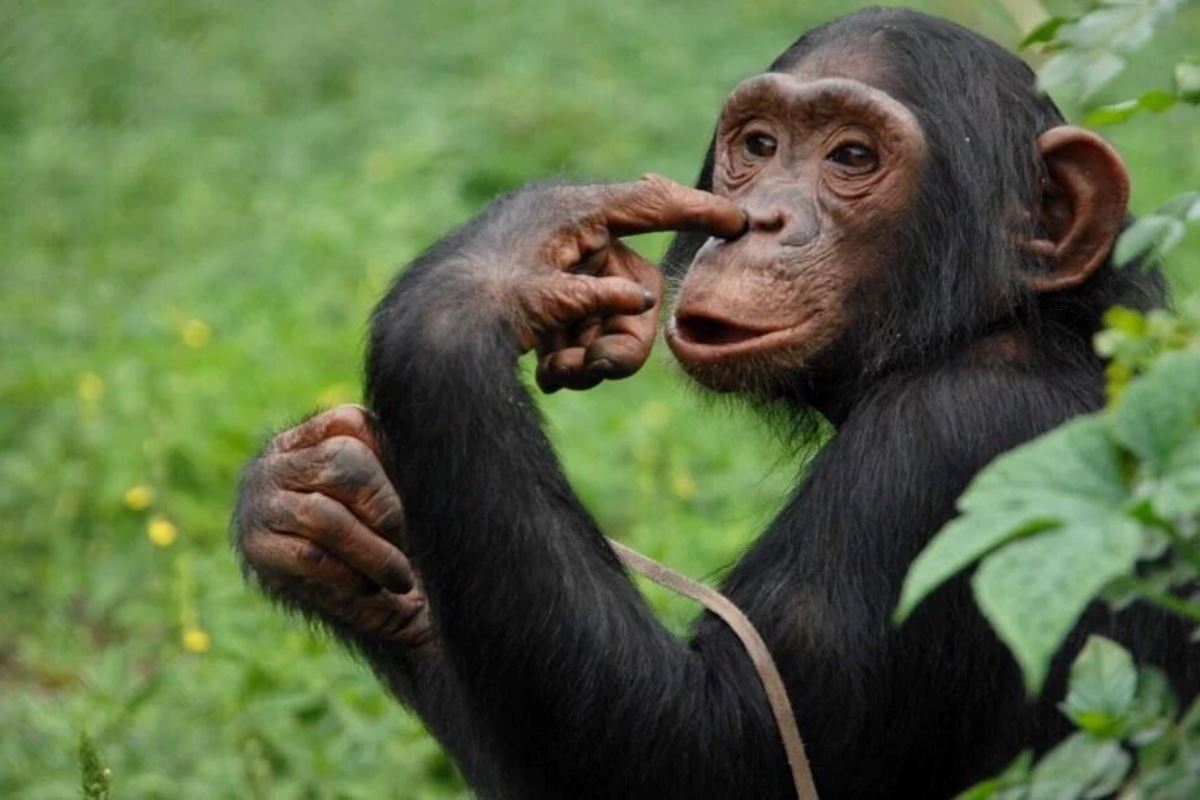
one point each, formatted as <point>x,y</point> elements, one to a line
<point>911,196</point>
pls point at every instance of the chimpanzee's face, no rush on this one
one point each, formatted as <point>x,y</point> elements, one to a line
<point>826,167</point>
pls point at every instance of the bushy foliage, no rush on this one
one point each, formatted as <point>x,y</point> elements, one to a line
<point>1105,507</point>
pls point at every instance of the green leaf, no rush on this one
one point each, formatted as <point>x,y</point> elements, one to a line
<point>1008,785</point>
<point>1043,33</point>
<point>1187,82</point>
<point>1080,767</point>
<point>1034,590</point>
<point>1158,420</point>
<point>1126,320</point>
<point>1119,28</point>
<point>1153,710</point>
<point>1112,114</point>
<point>1157,100</point>
<point>1184,206</point>
<point>1103,684</point>
<point>1151,232</point>
<point>95,778</point>
<point>1070,473</point>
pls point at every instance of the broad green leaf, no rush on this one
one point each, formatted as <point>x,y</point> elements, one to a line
<point>1043,33</point>
<point>1069,475</point>
<point>1158,420</point>
<point>1187,81</point>
<point>1160,409</point>
<point>1183,206</point>
<point>1153,709</point>
<point>1126,320</point>
<point>1112,114</point>
<point>1080,767</point>
<point>1033,590</point>
<point>1157,100</point>
<point>1119,28</point>
<point>1103,68</point>
<point>1177,491</point>
<point>1103,684</point>
<point>1008,785</point>
<point>1151,232</point>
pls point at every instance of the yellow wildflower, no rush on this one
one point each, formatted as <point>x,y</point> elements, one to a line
<point>138,497</point>
<point>335,395</point>
<point>161,531</point>
<point>196,640</point>
<point>656,414</point>
<point>90,387</point>
<point>379,165</point>
<point>683,486</point>
<point>195,333</point>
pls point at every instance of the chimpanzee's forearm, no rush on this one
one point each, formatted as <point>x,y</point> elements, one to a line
<point>558,655</point>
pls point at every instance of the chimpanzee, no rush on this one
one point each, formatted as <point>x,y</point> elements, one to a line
<point>893,228</point>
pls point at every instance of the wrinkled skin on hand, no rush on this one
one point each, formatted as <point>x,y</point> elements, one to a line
<point>572,290</point>
<point>321,527</point>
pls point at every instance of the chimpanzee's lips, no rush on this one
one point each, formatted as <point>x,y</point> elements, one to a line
<point>703,337</point>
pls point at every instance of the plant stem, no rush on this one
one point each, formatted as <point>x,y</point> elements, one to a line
<point>1186,548</point>
<point>1166,600</point>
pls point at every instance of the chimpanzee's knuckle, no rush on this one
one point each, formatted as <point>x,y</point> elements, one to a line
<point>345,462</point>
<point>317,511</point>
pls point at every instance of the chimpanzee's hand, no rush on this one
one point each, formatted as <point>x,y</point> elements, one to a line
<point>319,524</point>
<point>586,301</point>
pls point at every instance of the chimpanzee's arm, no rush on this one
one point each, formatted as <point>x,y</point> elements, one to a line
<point>561,659</point>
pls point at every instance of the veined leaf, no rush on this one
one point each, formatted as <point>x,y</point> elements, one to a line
<point>1034,590</point>
<point>1068,476</point>
<point>1159,421</point>
<point>1103,685</point>
<point>1080,767</point>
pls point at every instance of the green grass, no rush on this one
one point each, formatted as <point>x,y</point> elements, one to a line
<point>198,204</point>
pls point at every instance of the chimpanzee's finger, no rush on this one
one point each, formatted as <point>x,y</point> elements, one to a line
<point>565,369</point>
<point>655,203</point>
<point>625,341</point>
<point>348,471</point>
<point>298,568</point>
<point>321,519</point>
<point>345,420</point>
<point>563,299</point>
<point>282,559</point>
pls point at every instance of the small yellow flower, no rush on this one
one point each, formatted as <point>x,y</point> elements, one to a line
<point>138,497</point>
<point>90,387</point>
<point>683,486</point>
<point>161,531</point>
<point>656,414</point>
<point>335,395</point>
<point>379,165</point>
<point>196,641</point>
<point>195,333</point>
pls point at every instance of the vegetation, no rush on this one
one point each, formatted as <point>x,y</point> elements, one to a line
<point>199,204</point>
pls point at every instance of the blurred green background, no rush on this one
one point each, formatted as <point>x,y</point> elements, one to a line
<point>200,201</point>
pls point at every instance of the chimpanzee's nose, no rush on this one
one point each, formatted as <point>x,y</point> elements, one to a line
<point>780,213</point>
<point>766,220</point>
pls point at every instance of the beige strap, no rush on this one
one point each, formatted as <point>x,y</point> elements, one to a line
<point>732,616</point>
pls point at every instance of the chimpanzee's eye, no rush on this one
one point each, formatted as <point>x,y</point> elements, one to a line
<point>760,145</point>
<point>855,158</point>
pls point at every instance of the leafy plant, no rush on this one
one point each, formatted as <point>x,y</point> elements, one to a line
<point>95,778</point>
<point>1086,52</point>
<point>1108,506</point>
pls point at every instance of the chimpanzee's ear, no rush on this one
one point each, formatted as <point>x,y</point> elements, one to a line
<point>1083,206</point>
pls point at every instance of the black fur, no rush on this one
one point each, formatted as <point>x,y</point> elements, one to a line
<point>558,680</point>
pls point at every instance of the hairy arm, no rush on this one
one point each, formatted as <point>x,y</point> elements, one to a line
<point>559,656</point>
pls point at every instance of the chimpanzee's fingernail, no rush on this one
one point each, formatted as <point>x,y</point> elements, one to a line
<point>648,299</point>
<point>601,366</point>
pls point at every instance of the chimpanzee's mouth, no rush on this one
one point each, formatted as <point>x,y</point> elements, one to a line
<point>702,337</point>
<point>703,329</point>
